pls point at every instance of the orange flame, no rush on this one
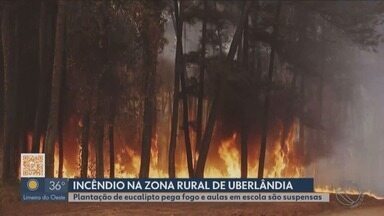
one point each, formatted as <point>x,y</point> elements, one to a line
<point>281,161</point>
<point>127,162</point>
<point>351,191</point>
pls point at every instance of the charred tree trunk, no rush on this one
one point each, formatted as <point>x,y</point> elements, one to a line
<point>244,148</point>
<point>239,30</point>
<point>111,122</point>
<point>84,144</point>
<point>101,85</point>
<point>206,139</point>
<point>111,150</point>
<point>10,92</point>
<point>265,117</point>
<point>244,124</point>
<point>46,38</point>
<point>111,137</point>
<point>187,138</point>
<point>60,137</point>
<point>303,132</point>
<point>151,39</point>
<point>2,105</point>
<point>21,100</point>
<point>57,74</point>
<point>60,140</point>
<point>176,89</point>
<point>99,137</point>
<point>43,72</point>
<point>200,99</point>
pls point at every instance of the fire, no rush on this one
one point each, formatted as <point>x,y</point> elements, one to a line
<point>283,153</point>
<point>351,191</point>
<point>154,170</point>
<point>123,170</point>
<point>281,156</point>
<point>68,170</point>
<point>132,159</point>
<point>127,163</point>
<point>281,160</point>
<point>229,153</point>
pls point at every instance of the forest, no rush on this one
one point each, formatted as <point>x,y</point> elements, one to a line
<point>182,88</point>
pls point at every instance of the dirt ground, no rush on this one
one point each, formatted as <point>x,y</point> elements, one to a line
<point>10,205</point>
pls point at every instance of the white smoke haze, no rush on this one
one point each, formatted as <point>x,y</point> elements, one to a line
<point>355,159</point>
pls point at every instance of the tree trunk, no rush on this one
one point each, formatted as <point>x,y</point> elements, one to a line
<point>176,89</point>
<point>111,151</point>
<point>244,147</point>
<point>112,109</point>
<point>111,144</point>
<point>151,39</point>
<point>2,105</point>
<point>99,137</point>
<point>187,138</point>
<point>303,15</point>
<point>200,99</point>
<point>21,100</point>
<point>60,138</point>
<point>239,30</point>
<point>244,124</point>
<point>206,139</point>
<point>46,38</point>
<point>265,117</point>
<point>84,144</point>
<point>55,91</point>
<point>61,148</point>
<point>100,97</point>
<point>10,92</point>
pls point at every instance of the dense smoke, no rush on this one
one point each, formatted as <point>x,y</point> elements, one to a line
<point>348,151</point>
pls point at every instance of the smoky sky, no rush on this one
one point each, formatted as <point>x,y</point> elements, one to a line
<point>356,160</point>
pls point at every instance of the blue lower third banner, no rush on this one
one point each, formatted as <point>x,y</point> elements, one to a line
<point>171,190</point>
